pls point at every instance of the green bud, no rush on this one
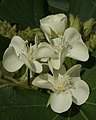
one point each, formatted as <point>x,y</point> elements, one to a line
<point>7,30</point>
<point>91,43</point>
<point>30,33</point>
<point>87,27</point>
<point>39,33</point>
<point>75,22</point>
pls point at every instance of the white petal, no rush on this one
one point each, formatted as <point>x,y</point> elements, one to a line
<point>32,65</point>
<point>79,51</point>
<point>36,40</point>
<point>74,71</point>
<point>44,51</point>
<point>81,92</point>
<point>42,81</point>
<point>26,62</point>
<point>56,62</point>
<point>61,71</point>
<point>18,43</point>
<point>36,66</point>
<point>55,22</point>
<point>60,102</point>
<point>10,60</point>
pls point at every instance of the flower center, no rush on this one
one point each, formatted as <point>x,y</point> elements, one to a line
<point>63,83</point>
<point>60,44</point>
<point>28,51</point>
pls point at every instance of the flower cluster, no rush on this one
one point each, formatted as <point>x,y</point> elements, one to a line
<point>66,86</point>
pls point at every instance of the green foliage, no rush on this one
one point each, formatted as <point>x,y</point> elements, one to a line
<point>24,12</point>
<point>85,9</point>
<point>21,104</point>
<point>57,6</point>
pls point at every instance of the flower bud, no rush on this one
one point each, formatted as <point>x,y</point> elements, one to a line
<point>75,22</point>
<point>87,27</point>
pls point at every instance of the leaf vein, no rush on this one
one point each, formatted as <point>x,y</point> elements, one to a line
<point>82,113</point>
<point>91,103</point>
<point>55,117</point>
<point>25,106</point>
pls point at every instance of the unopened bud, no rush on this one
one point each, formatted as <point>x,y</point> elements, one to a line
<point>75,22</point>
<point>91,43</point>
<point>87,27</point>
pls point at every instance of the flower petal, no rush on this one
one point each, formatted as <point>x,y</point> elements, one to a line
<point>36,66</point>
<point>74,71</point>
<point>56,22</point>
<point>10,60</point>
<point>18,43</point>
<point>57,61</point>
<point>42,81</point>
<point>81,92</point>
<point>79,51</point>
<point>44,50</point>
<point>33,65</point>
<point>60,102</point>
<point>26,62</point>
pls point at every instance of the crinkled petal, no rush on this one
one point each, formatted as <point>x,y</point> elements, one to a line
<point>42,81</point>
<point>74,71</point>
<point>10,60</point>
<point>47,34</point>
<point>60,102</point>
<point>55,22</point>
<point>81,92</point>
<point>18,43</point>
<point>44,50</point>
<point>78,49</point>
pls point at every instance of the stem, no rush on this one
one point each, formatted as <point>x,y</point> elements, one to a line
<point>29,82</point>
<point>14,82</point>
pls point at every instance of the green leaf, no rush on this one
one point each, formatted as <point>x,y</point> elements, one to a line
<point>57,6</point>
<point>24,12</point>
<point>85,9</point>
<point>21,104</point>
<point>94,54</point>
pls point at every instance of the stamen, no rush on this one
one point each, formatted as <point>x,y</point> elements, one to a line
<point>63,83</point>
<point>27,51</point>
<point>60,44</point>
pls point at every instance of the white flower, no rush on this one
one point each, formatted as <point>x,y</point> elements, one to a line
<point>67,87</point>
<point>69,45</point>
<point>20,52</point>
<point>66,42</point>
<point>57,23</point>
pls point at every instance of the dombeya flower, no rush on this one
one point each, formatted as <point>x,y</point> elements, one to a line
<point>66,42</point>
<point>21,52</point>
<point>67,87</point>
<point>69,45</point>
